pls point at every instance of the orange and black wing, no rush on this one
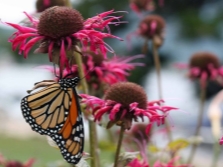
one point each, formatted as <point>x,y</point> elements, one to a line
<point>46,110</point>
<point>70,139</point>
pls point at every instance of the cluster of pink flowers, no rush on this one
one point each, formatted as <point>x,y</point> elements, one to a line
<point>51,38</point>
<point>107,71</point>
<point>117,111</point>
<point>137,163</point>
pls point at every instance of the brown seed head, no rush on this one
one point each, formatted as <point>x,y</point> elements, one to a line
<point>127,93</point>
<point>141,4</point>
<point>57,22</point>
<point>146,29</point>
<point>42,5</point>
<point>203,59</point>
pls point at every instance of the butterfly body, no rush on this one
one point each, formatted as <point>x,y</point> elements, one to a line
<point>55,111</point>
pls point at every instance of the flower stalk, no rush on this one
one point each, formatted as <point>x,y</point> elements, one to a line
<point>122,130</point>
<point>92,125</point>
<point>199,122</point>
<point>158,73</point>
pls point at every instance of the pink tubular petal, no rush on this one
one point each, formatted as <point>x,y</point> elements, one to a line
<point>34,22</point>
<point>133,106</point>
<point>221,141</point>
<point>30,44</point>
<point>148,128</point>
<point>114,111</point>
<point>63,56</point>
<point>195,72</point>
<point>20,39</point>
<point>180,65</point>
<point>101,112</point>
<point>153,27</point>
<point>104,14</point>
<point>22,29</point>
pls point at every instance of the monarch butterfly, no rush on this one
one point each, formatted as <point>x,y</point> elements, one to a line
<point>55,111</point>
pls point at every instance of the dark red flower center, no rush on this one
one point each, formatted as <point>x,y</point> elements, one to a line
<point>203,60</point>
<point>126,93</point>
<point>57,22</point>
<point>152,25</point>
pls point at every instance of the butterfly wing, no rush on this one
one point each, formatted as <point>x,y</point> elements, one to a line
<point>47,110</point>
<point>70,139</point>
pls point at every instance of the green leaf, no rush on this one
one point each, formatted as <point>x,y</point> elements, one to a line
<point>178,144</point>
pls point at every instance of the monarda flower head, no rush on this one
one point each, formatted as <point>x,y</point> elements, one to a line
<point>58,31</point>
<point>12,163</point>
<point>151,28</point>
<point>141,5</point>
<point>125,102</point>
<point>138,163</point>
<point>100,72</point>
<point>204,66</point>
<point>42,5</point>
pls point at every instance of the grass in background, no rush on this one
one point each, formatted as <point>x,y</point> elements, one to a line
<point>24,149</point>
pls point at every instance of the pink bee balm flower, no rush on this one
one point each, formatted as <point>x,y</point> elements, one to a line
<point>108,71</point>
<point>59,30</point>
<point>141,5</point>
<point>100,71</point>
<point>151,28</point>
<point>137,163</point>
<point>171,163</point>
<point>203,66</point>
<point>125,102</point>
<point>221,141</point>
<point>12,163</point>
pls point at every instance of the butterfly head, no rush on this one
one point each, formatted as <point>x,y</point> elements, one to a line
<point>69,82</point>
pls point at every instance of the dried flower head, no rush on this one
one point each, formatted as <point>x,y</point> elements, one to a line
<point>42,5</point>
<point>206,62</point>
<point>59,29</point>
<point>125,102</point>
<point>151,26</point>
<point>59,22</point>
<point>141,5</point>
<point>204,66</point>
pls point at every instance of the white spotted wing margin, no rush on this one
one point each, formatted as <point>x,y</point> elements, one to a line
<point>72,146</point>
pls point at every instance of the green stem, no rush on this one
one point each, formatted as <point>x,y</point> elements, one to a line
<point>158,73</point>
<point>92,125</point>
<point>199,123</point>
<point>119,146</point>
<point>217,151</point>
